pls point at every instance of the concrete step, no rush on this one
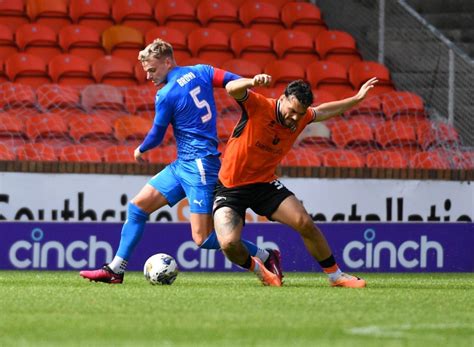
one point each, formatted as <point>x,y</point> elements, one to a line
<point>442,6</point>
<point>459,20</point>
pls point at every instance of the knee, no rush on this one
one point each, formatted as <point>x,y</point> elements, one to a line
<point>199,239</point>
<point>228,244</point>
<point>305,224</point>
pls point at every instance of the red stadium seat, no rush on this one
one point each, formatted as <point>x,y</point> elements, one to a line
<point>52,97</point>
<point>193,61</point>
<point>80,153</point>
<point>242,67</point>
<point>131,128</point>
<point>225,127</point>
<point>138,99</point>
<point>162,154</point>
<point>262,16</point>
<point>36,152</point>
<point>283,72</point>
<point>12,13</point>
<point>301,157</point>
<point>303,17</point>
<point>38,39</point>
<point>295,46</point>
<point>343,158</point>
<point>371,105</point>
<point>47,125</point>
<point>92,13</point>
<point>136,14</point>
<point>7,42</point>
<point>386,159</point>
<point>329,76</point>
<point>121,41</point>
<point>436,134</point>
<point>53,14</point>
<point>119,154</point>
<point>175,37</point>
<point>210,45</point>
<point>140,74</point>
<point>338,46</point>
<point>353,134</point>
<point>82,41</point>
<point>322,96</point>
<point>178,14</point>
<point>27,69</point>
<point>16,95</point>
<point>114,71</point>
<point>12,126</point>
<point>429,160</point>
<point>219,14</point>
<point>68,69</point>
<point>360,72</point>
<point>316,135</point>
<point>396,104</point>
<point>272,93</point>
<point>6,153</point>
<point>395,135</point>
<point>102,96</point>
<point>252,45</point>
<point>87,129</point>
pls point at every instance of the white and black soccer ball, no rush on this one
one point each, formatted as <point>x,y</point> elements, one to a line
<point>160,268</point>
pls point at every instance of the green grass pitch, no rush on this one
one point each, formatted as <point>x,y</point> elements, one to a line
<point>233,309</point>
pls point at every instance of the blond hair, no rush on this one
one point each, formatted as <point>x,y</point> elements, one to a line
<point>157,49</point>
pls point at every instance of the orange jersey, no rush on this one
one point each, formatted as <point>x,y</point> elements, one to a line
<point>258,143</point>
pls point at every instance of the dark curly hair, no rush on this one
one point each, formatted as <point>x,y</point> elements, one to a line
<point>302,92</point>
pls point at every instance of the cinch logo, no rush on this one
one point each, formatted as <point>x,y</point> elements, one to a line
<point>371,253</point>
<point>24,254</point>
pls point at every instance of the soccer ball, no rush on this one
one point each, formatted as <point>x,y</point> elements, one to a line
<point>160,268</point>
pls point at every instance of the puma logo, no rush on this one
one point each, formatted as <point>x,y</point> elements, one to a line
<point>219,198</point>
<point>198,202</point>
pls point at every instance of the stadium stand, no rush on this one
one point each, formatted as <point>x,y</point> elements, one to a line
<point>7,42</point>
<point>26,69</point>
<point>211,45</point>
<point>219,14</point>
<point>252,45</point>
<point>178,14</point>
<point>329,76</point>
<point>37,39</point>
<point>295,46</point>
<point>175,37</point>
<point>338,46</point>
<point>53,14</point>
<point>12,13</point>
<point>303,17</point>
<point>123,42</point>
<point>80,153</point>
<point>68,69</point>
<point>137,14</point>
<point>81,40</point>
<point>92,13</point>
<point>283,72</point>
<point>114,71</point>
<point>263,16</point>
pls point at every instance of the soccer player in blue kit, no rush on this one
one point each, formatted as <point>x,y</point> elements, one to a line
<point>186,101</point>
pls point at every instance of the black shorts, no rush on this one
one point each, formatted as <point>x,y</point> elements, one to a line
<point>263,198</point>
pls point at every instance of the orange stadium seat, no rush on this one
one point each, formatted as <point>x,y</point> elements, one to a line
<point>7,42</point>
<point>295,46</point>
<point>136,14</point>
<point>252,45</point>
<point>386,159</point>
<point>114,71</point>
<point>92,13</point>
<point>360,72</point>
<point>211,45</point>
<point>119,154</point>
<point>54,14</point>
<point>38,39</point>
<point>90,129</point>
<point>163,154</point>
<point>174,36</point>
<point>139,99</point>
<point>124,42</point>
<point>225,104</point>
<point>353,134</point>
<point>16,95</point>
<point>102,96</point>
<point>3,76</point>
<point>242,67</point>
<point>11,126</point>
<point>261,16</point>
<point>12,13</point>
<point>371,105</point>
<point>68,69</point>
<point>236,3</point>
<point>27,69</point>
<point>272,93</point>
<point>317,136</point>
<point>322,96</point>
<point>225,127</point>
<point>278,3</point>
<point>396,135</point>
<point>82,41</point>
<point>193,61</point>
<point>429,160</point>
<point>6,153</point>
<point>436,134</point>
<point>329,76</point>
<point>301,157</point>
<point>36,152</point>
<point>46,125</point>
<point>53,97</point>
<point>338,46</point>
<point>343,158</point>
<point>131,128</point>
<point>303,16</point>
<point>178,14</point>
<point>219,14</point>
<point>80,153</point>
<point>397,103</point>
<point>283,72</point>
<point>140,74</point>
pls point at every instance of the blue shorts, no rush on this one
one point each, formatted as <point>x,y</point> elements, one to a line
<point>194,179</point>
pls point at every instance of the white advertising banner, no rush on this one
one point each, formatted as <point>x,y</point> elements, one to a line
<point>85,197</point>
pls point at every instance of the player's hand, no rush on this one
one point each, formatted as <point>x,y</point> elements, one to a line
<point>138,155</point>
<point>262,80</point>
<point>366,87</point>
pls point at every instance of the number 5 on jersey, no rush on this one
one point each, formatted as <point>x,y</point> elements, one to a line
<point>201,104</point>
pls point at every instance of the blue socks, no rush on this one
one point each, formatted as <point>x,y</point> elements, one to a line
<point>132,231</point>
<point>212,243</point>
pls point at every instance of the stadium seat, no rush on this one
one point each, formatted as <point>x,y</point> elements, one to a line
<point>124,42</point>
<point>283,72</point>
<point>36,152</point>
<point>211,45</point>
<point>225,104</point>
<point>467,160</point>
<point>242,67</point>
<point>437,135</point>
<point>175,37</point>
<point>386,159</point>
<point>16,95</point>
<point>301,157</point>
<point>38,39</point>
<point>140,74</point>
<point>162,154</point>
<point>395,135</point>
<point>54,97</point>
<point>139,99</point>
<point>12,13</point>
<point>343,158</point>
<point>262,16</point>
<point>80,153</point>
<point>193,61</point>
<point>338,46</point>
<point>303,16</point>
<point>131,128</point>
<point>429,160</point>
<point>3,76</point>
<point>371,105</point>
<point>91,130</point>
<point>219,14</point>
<point>12,126</point>
<point>397,104</point>
<point>82,41</point>
<point>272,93</point>
<point>27,69</point>
<point>71,70</point>
<point>225,127</point>
<point>6,153</point>
<point>329,76</point>
<point>178,14</point>
<point>316,135</point>
<point>7,42</point>
<point>102,96</point>
<point>47,125</point>
<point>360,72</point>
<point>136,14</point>
<point>53,14</point>
<point>322,96</point>
<point>114,71</point>
<point>119,154</point>
<point>353,134</point>
<point>92,13</point>
<point>252,45</point>
<point>295,46</point>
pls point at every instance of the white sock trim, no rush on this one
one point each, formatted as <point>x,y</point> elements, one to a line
<point>118,265</point>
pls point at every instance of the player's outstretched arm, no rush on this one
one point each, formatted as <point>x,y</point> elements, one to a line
<point>238,88</point>
<point>334,108</point>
